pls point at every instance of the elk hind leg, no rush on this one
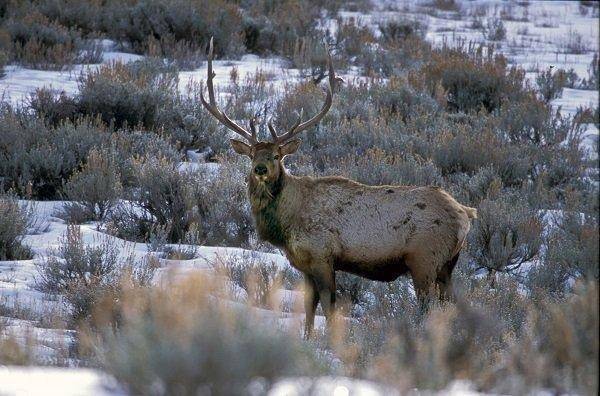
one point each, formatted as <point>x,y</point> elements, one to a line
<point>444,279</point>
<point>423,276</point>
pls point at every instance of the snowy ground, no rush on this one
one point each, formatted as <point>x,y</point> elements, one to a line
<point>534,44</point>
<point>51,381</point>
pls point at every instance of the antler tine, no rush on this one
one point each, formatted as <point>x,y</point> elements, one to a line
<point>272,130</point>
<point>299,121</point>
<point>300,126</point>
<point>211,74</point>
<point>212,108</point>
<point>253,126</point>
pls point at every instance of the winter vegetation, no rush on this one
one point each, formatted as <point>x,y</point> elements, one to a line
<point>130,262</point>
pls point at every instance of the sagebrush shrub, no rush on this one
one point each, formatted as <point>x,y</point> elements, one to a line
<point>79,272</point>
<point>223,200</point>
<point>127,94</point>
<point>84,274</point>
<point>446,5</point>
<point>559,345</point>
<point>3,62</point>
<point>351,38</point>
<point>593,80</point>
<point>191,21</point>
<point>41,43</point>
<point>53,107</point>
<point>572,253</point>
<point>530,120</point>
<point>36,159</point>
<point>489,332</point>
<point>258,277</point>
<point>185,342</point>
<point>399,99</point>
<point>472,80</point>
<point>354,292</point>
<point>131,145</point>
<point>401,29</point>
<point>95,189</point>
<point>280,28</point>
<point>495,30</point>
<point>506,235</point>
<point>551,84</point>
<point>14,221</point>
<point>376,167</point>
<point>164,197</point>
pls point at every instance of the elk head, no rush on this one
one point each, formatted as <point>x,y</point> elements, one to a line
<point>266,157</point>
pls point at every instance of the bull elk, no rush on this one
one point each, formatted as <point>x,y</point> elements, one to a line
<point>329,224</point>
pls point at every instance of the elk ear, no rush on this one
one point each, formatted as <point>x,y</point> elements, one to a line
<point>290,147</point>
<point>241,147</point>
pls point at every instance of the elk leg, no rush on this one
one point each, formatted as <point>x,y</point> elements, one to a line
<point>325,282</point>
<point>311,299</point>
<point>444,279</point>
<point>423,288</point>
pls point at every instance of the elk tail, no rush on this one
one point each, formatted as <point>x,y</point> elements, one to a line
<point>471,212</point>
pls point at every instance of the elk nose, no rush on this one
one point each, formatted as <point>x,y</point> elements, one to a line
<point>260,169</point>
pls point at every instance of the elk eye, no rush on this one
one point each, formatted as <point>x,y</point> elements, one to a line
<point>275,157</point>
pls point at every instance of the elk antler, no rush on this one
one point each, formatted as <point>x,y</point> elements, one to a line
<point>211,106</point>
<point>299,126</point>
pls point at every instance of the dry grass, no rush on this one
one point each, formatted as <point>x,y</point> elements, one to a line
<point>184,341</point>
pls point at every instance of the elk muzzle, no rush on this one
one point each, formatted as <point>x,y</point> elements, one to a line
<point>260,169</point>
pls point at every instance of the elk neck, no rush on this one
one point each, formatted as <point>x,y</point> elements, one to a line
<point>265,200</point>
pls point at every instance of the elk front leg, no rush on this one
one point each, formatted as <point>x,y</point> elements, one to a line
<point>325,282</point>
<point>311,300</point>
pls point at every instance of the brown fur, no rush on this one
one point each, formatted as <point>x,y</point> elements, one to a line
<point>330,224</point>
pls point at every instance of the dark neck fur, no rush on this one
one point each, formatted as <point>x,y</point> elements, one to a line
<point>264,200</point>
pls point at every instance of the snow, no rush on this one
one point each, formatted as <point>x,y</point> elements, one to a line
<point>335,386</point>
<point>273,68</point>
<point>19,82</point>
<point>574,98</point>
<point>49,381</point>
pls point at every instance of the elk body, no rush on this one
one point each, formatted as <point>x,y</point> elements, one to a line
<point>329,224</point>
